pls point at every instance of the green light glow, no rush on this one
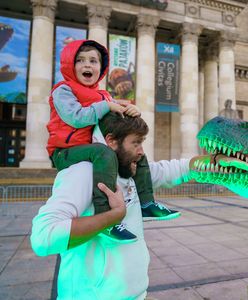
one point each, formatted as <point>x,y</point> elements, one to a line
<point>227,141</point>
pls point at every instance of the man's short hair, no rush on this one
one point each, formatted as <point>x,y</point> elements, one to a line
<point>119,127</point>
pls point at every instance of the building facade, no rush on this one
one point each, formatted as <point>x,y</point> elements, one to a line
<point>213,38</point>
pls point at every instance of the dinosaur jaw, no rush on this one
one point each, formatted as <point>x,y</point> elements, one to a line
<point>220,169</point>
<point>226,141</point>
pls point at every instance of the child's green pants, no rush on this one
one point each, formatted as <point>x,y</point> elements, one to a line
<point>105,170</point>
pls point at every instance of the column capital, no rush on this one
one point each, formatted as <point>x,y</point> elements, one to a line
<point>190,32</point>
<point>211,51</point>
<point>99,15</point>
<point>227,39</point>
<point>147,24</point>
<point>46,8</point>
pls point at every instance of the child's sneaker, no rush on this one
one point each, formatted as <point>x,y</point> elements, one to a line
<point>119,234</point>
<point>157,211</point>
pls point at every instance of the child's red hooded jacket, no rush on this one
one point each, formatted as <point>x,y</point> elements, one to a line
<point>62,135</point>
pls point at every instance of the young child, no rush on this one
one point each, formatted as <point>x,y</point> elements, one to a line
<point>76,106</point>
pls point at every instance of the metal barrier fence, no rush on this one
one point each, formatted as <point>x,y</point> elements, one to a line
<point>193,189</point>
<point>27,193</point>
<point>19,199</point>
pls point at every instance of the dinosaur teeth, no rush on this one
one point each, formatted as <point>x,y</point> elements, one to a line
<point>196,163</point>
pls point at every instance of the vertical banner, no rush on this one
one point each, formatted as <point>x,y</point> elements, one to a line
<point>167,78</point>
<point>121,78</point>
<point>65,35</point>
<point>14,44</point>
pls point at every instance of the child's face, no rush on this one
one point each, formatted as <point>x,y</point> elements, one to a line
<point>88,67</point>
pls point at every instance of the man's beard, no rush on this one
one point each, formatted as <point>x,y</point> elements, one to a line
<point>125,159</point>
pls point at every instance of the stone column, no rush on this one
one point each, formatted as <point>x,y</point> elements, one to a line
<point>226,69</point>
<point>189,105</point>
<point>201,91</point>
<point>211,83</point>
<point>98,28</point>
<point>39,85</point>
<point>145,87</point>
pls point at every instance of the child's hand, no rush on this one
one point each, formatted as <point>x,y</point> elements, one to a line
<point>116,108</point>
<point>132,110</point>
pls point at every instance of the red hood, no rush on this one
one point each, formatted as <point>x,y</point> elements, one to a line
<point>67,59</point>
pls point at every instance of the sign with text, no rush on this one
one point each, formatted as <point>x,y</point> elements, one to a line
<point>167,78</point>
<point>121,79</point>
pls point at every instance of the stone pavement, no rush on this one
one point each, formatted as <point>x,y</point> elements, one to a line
<point>203,255</point>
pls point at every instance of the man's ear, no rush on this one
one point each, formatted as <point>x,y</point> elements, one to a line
<point>111,142</point>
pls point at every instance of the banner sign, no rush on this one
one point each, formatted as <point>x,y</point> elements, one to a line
<point>121,78</point>
<point>14,44</point>
<point>65,35</point>
<point>167,77</point>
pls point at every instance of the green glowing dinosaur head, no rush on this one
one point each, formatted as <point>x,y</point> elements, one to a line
<point>227,142</point>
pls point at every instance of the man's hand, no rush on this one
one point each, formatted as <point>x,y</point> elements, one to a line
<point>116,200</point>
<point>85,228</point>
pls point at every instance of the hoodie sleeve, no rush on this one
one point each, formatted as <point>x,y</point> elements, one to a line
<point>71,197</point>
<point>73,113</point>
<point>169,173</point>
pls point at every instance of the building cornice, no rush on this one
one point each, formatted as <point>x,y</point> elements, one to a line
<point>222,5</point>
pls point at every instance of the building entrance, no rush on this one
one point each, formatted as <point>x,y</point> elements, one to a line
<point>12,134</point>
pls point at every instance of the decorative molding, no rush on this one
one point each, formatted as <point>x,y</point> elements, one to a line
<point>228,18</point>
<point>192,10</point>
<point>190,32</point>
<point>45,8</point>
<point>236,9</point>
<point>147,24</point>
<point>241,73</point>
<point>99,15</point>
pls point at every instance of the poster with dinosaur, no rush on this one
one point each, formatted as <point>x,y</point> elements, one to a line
<point>14,45</point>
<point>65,35</point>
<point>121,78</point>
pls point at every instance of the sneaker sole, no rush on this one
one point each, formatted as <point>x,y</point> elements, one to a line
<point>116,240</point>
<point>169,217</point>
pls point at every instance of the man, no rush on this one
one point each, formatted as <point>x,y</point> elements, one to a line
<point>92,267</point>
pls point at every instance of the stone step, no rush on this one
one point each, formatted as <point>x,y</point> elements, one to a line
<point>19,176</point>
